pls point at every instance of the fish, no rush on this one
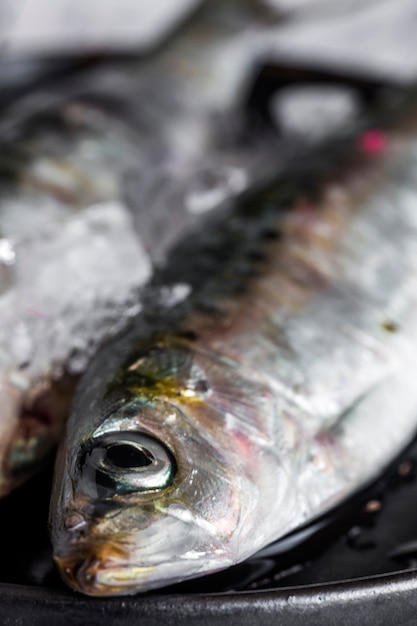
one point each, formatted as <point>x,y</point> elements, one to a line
<point>81,160</point>
<point>279,381</point>
<point>186,104</point>
<point>61,292</point>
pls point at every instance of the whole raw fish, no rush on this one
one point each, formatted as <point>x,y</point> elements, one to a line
<point>283,381</point>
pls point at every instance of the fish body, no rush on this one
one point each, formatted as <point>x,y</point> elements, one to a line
<point>269,375</point>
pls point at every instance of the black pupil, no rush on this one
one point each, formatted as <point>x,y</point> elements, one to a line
<point>125,456</point>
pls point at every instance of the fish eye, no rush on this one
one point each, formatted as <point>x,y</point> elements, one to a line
<point>128,456</point>
<point>122,463</point>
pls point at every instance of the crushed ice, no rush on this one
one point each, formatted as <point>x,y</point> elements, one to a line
<point>75,284</point>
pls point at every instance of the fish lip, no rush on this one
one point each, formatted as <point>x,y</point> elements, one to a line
<point>92,577</point>
<point>124,579</point>
<point>86,566</point>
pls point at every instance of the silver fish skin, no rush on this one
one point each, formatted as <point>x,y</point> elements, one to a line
<point>280,383</point>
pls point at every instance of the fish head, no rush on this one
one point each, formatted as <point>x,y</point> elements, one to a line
<point>155,492</point>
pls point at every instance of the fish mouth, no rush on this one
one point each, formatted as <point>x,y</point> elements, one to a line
<point>85,562</point>
<point>99,574</point>
<point>106,570</point>
<point>92,578</point>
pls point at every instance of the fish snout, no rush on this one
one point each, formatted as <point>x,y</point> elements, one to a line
<point>80,573</point>
<point>84,568</point>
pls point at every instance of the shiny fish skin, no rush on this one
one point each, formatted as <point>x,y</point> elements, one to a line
<point>280,384</point>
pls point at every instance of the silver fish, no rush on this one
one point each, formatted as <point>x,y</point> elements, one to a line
<point>282,382</point>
